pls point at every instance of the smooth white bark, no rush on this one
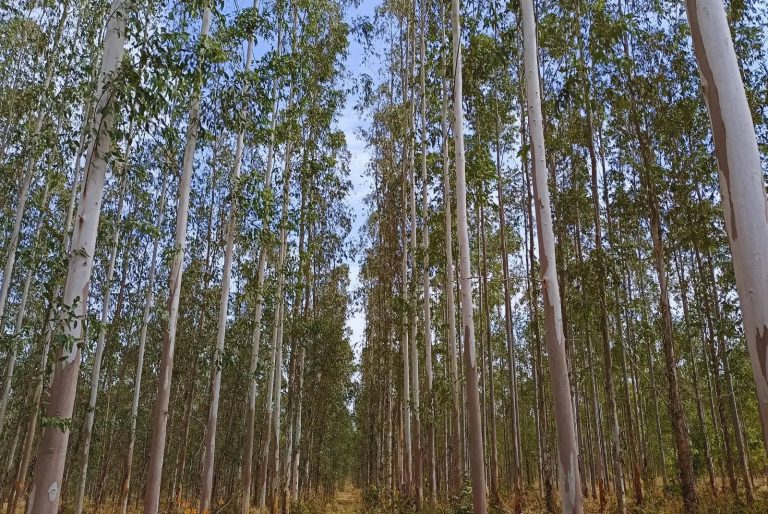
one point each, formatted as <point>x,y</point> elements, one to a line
<point>256,338</point>
<point>52,449</point>
<point>99,353</point>
<point>431,471</point>
<point>475,446</point>
<point>457,445</point>
<point>570,480</point>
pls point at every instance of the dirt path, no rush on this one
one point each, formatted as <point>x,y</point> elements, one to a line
<point>347,501</point>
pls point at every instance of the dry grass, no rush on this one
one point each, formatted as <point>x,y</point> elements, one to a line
<point>657,500</point>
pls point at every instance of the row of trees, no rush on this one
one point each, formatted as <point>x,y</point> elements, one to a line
<point>599,140</point>
<point>174,291</point>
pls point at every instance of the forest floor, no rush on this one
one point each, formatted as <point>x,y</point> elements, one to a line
<point>349,500</point>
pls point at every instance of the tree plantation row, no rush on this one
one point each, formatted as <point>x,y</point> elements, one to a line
<point>563,264</point>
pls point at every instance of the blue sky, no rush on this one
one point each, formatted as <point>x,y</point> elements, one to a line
<point>358,62</point>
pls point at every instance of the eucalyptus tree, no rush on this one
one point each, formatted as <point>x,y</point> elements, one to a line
<point>261,274</point>
<point>54,439</point>
<point>430,458</point>
<point>457,445</point>
<point>99,352</point>
<point>30,168</point>
<point>148,304</point>
<point>160,412</point>
<point>477,468</point>
<point>602,269</point>
<point>210,443</point>
<point>570,480</point>
<point>743,192</point>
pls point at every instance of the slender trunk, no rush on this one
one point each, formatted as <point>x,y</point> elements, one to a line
<point>160,412</point>
<point>570,481</point>
<point>602,270</point>
<point>267,440</point>
<point>295,461</point>
<point>30,168</point>
<point>728,378</point>
<point>418,475</point>
<point>677,414</point>
<point>49,469</point>
<point>657,417</point>
<point>430,411</point>
<point>533,317</point>
<point>406,416</point>
<point>477,471</point>
<point>509,331</point>
<point>493,460</point>
<point>148,301</point>
<point>456,445</point>
<point>277,336</point>
<point>21,314</point>
<point>90,413</point>
<point>258,312</point>
<point>599,462</point>
<point>206,488</point>
<point>409,468</point>
<point>699,408</point>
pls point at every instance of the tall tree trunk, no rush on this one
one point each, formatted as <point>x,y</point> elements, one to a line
<point>727,377</point>
<point>160,412</point>
<point>510,336</point>
<point>275,386</point>
<point>676,412</point>
<point>533,317</point>
<point>406,415</point>
<point>209,454</point>
<point>493,460</point>
<point>703,295</point>
<point>570,480</point>
<point>456,445</point>
<point>602,270</point>
<point>90,413</point>
<point>418,474</point>
<point>430,411</point>
<point>599,461</point>
<point>52,449</point>
<point>295,459</point>
<point>742,185</point>
<point>148,302</point>
<point>29,170</point>
<point>21,313</point>
<point>477,471</point>
<point>259,310</point>
<point>699,408</point>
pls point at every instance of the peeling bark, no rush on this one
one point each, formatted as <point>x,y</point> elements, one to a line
<point>741,180</point>
<point>570,480</point>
